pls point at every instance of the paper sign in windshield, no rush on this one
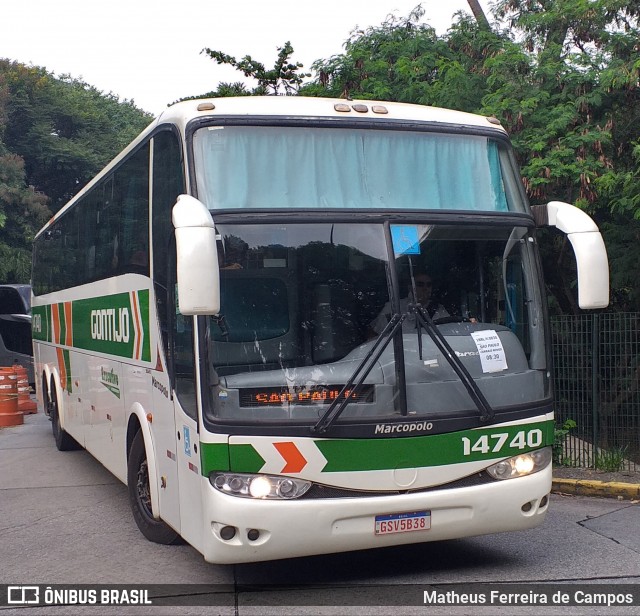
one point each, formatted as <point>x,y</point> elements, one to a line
<point>491,351</point>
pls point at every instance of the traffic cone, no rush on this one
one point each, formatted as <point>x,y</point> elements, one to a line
<point>9,413</point>
<point>25,404</point>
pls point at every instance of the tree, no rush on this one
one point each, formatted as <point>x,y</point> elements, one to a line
<point>224,89</point>
<point>64,129</point>
<point>55,134</point>
<point>22,209</point>
<point>402,59</point>
<point>572,111</point>
<point>284,78</point>
<point>478,13</point>
<point>22,212</point>
<point>577,83</point>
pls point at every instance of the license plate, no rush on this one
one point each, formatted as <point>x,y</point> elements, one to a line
<point>402,522</point>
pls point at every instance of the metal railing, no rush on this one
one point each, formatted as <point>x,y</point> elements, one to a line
<point>597,385</point>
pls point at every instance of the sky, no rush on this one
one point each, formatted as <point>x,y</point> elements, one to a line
<point>149,51</point>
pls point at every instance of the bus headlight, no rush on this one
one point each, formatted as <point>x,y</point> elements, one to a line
<point>522,464</point>
<point>259,486</point>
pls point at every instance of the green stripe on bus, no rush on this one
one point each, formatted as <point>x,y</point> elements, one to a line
<point>143,302</point>
<point>245,459</point>
<point>434,450</point>
<point>214,457</point>
<point>62,317</point>
<point>67,370</point>
<point>112,325</point>
<point>350,455</point>
<point>40,319</point>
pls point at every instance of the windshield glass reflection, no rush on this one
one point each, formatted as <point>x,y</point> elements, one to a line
<point>302,306</point>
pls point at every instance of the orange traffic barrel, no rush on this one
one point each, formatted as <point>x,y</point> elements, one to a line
<point>25,404</point>
<point>9,413</point>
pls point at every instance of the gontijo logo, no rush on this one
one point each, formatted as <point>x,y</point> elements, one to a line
<point>110,324</point>
<point>115,324</point>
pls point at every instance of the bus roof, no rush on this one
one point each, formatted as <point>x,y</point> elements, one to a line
<point>304,106</point>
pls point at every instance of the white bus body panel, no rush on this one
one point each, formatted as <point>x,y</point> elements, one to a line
<point>299,528</point>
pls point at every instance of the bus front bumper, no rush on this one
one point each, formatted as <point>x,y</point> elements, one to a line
<point>241,530</point>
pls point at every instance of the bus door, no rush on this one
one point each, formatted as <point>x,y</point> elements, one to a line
<point>186,424</point>
<point>165,442</point>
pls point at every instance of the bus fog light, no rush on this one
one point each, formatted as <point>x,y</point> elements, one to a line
<point>259,486</point>
<point>522,464</point>
<point>227,532</point>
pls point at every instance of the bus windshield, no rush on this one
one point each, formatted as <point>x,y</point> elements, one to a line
<point>302,306</point>
<point>264,167</point>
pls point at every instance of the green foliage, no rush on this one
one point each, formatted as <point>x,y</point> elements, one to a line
<point>610,460</point>
<point>404,60</point>
<point>559,438</point>
<point>55,135</point>
<point>224,89</point>
<point>22,212</point>
<point>64,129</point>
<point>285,76</point>
<point>570,103</point>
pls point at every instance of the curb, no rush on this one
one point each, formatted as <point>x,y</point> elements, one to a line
<point>606,489</point>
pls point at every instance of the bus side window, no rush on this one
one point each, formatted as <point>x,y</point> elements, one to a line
<point>88,237</point>
<point>168,183</point>
<point>106,229</point>
<point>131,190</point>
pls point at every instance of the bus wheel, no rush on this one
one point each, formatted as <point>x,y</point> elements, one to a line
<point>64,442</point>
<point>140,496</point>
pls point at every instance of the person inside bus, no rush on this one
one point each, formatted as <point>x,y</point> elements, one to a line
<point>424,289</point>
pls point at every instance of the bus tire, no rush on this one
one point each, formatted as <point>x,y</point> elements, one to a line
<point>140,499</point>
<point>64,441</point>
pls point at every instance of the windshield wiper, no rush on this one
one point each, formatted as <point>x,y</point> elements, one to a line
<point>365,366</point>
<point>424,320</point>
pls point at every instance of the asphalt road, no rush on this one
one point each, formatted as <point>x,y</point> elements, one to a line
<point>65,520</point>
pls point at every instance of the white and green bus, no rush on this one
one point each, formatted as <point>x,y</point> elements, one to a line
<point>296,326</point>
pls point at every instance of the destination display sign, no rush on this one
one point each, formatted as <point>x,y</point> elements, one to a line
<point>325,394</point>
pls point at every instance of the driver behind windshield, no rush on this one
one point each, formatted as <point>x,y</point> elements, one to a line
<point>424,289</point>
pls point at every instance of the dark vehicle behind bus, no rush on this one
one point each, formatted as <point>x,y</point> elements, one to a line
<point>15,327</point>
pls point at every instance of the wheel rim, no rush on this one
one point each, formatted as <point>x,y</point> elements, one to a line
<point>142,486</point>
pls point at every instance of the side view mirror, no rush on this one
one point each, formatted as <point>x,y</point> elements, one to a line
<point>197,258</point>
<point>588,246</point>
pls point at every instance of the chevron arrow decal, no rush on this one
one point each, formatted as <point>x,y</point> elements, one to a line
<point>264,454</point>
<point>295,461</point>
